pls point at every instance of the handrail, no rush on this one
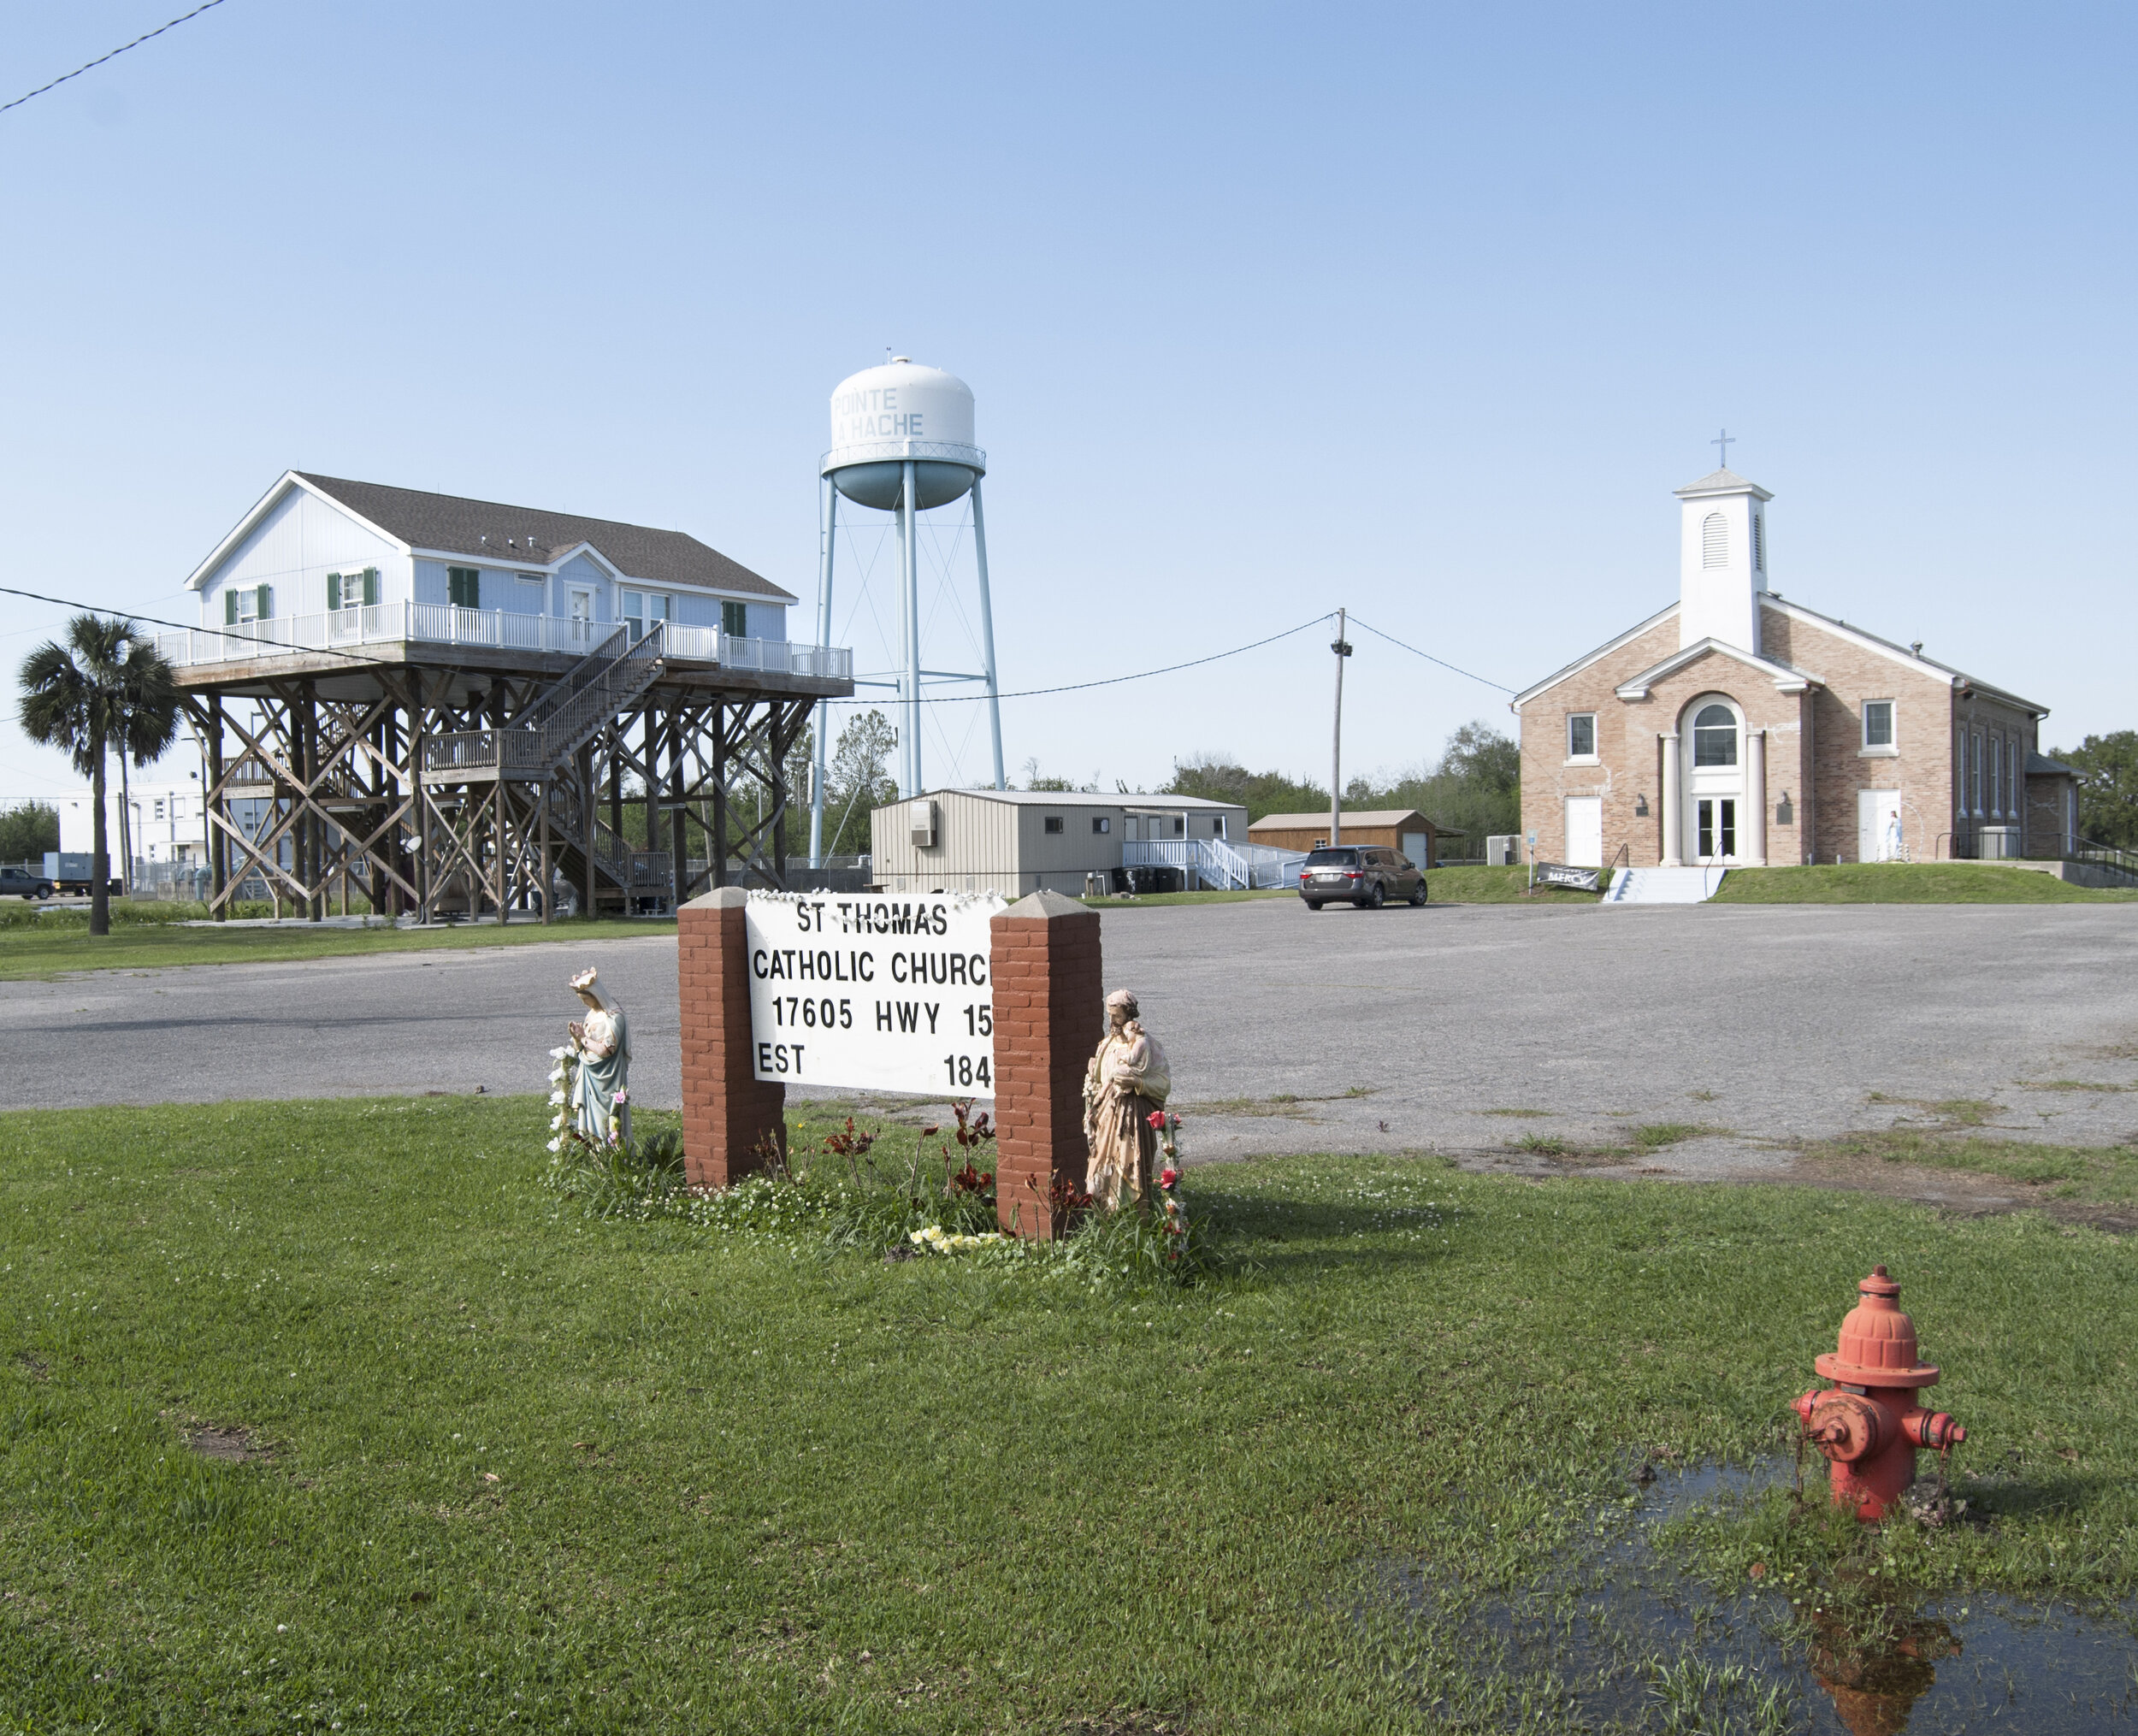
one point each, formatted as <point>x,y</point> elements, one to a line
<point>444,624</point>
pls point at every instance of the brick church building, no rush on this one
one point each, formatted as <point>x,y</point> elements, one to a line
<point>1739,729</point>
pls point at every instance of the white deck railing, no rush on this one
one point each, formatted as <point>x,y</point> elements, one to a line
<point>1215,863</point>
<point>441,623</point>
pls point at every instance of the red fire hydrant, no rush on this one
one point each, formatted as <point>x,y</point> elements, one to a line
<point>1868,1424</point>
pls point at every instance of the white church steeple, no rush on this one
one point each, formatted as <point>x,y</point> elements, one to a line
<point>1721,560</point>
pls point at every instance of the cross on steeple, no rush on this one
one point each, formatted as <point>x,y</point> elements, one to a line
<point>1725,440</point>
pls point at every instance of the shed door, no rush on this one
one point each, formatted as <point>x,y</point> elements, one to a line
<point>1584,831</point>
<point>1413,846</point>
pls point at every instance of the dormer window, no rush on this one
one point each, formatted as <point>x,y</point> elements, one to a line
<point>1715,541</point>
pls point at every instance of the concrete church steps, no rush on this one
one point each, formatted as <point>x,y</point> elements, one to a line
<point>1664,885</point>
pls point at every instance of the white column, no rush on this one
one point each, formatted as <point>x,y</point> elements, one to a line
<point>1673,797</point>
<point>1752,827</point>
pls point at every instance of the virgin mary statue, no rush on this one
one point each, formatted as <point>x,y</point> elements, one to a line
<point>601,1071</point>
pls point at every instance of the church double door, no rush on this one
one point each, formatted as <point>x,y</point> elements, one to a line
<point>1715,827</point>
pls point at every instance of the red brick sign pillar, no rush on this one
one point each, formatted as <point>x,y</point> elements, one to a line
<point>730,1119</point>
<point>1049,1012</point>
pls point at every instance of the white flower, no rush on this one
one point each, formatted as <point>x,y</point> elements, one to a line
<point>556,1145</point>
<point>557,1054</point>
<point>556,1096</point>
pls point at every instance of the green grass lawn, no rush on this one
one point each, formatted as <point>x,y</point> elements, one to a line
<point>47,948</point>
<point>526,1468</point>
<point>1147,900</point>
<point>1908,882</point>
<point>1483,885</point>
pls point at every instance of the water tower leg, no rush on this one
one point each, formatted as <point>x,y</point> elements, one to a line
<point>904,734</point>
<point>987,632</point>
<point>823,719</point>
<point>912,630</point>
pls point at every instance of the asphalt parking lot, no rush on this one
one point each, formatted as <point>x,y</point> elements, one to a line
<point>1350,1031</point>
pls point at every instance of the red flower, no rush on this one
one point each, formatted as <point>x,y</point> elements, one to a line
<point>1157,1118</point>
<point>1167,1177</point>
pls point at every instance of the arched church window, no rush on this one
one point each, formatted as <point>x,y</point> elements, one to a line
<point>1715,541</point>
<point>1714,736</point>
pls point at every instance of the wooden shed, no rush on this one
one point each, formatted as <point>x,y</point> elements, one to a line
<point>1398,829</point>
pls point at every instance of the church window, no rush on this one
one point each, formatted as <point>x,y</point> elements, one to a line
<point>1878,725</point>
<point>1996,779</point>
<point>1977,802</point>
<point>1715,542</point>
<point>1581,735</point>
<point>1714,736</point>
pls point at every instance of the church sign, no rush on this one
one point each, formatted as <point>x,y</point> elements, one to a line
<point>863,990</point>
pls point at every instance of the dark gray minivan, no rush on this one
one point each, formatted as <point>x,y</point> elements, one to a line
<point>1366,875</point>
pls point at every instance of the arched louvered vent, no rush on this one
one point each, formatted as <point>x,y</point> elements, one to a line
<point>1759,542</point>
<point>1715,542</point>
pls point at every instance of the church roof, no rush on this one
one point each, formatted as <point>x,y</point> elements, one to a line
<point>1722,482</point>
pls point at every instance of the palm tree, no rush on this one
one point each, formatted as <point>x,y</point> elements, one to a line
<point>106,688</point>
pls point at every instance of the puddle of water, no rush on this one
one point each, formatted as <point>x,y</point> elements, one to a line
<point>1624,1641</point>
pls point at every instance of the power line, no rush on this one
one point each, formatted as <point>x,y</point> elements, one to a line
<point>1106,681</point>
<point>942,699</point>
<point>1428,656</point>
<point>102,58</point>
<point>182,627</point>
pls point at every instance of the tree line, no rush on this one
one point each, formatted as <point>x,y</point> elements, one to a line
<point>1474,788</point>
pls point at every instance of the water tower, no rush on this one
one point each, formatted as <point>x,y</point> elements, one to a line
<point>901,443</point>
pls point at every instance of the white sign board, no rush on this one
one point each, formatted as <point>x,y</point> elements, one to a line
<point>890,993</point>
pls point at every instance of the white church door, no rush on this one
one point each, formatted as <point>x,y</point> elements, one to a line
<point>1584,831</point>
<point>1878,832</point>
<point>1715,781</point>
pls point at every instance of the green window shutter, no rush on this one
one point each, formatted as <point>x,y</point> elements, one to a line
<point>370,587</point>
<point>230,605</point>
<point>333,591</point>
<point>267,601</point>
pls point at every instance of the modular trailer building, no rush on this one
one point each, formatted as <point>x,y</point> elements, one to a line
<point>1018,841</point>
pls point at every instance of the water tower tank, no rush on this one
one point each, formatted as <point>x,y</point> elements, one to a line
<point>884,418</point>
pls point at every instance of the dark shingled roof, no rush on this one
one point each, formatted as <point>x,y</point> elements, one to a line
<point>455,525</point>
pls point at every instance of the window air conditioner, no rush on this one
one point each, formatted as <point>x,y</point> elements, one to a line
<point>921,819</point>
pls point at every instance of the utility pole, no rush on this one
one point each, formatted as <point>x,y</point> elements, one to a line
<point>1343,650</point>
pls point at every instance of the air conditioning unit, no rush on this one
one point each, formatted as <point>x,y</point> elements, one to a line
<point>920,817</point>
<point>1504,850</point>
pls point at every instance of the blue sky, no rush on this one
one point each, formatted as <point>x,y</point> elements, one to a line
<point>1424,311</point>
